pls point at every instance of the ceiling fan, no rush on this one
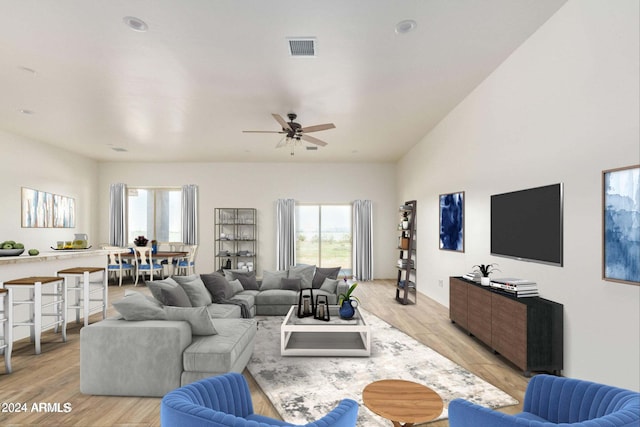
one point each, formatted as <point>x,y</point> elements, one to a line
<point>294,132</point>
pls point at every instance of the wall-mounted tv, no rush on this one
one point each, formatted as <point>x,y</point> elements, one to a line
<point>527,224</point>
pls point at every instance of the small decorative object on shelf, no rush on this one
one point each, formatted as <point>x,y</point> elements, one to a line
<point>306,305</point>
<point>405,220</point>
<point>485,270</point>
<point>322,308</point>
<point>348,303</point>
<point>141,241</point>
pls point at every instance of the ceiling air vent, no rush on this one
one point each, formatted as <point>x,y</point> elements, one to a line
<point>302,47</point>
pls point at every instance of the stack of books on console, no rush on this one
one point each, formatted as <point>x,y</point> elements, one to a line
<point>520,288</point>
<point>475,277</point>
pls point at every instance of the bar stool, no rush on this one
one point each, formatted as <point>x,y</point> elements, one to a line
<point>58,300</point>
<point>84,288</point>
<point>7,327</point>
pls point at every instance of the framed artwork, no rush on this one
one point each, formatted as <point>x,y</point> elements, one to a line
<point>46,210</point>
<point>621,225</point>
<point>452,221</point>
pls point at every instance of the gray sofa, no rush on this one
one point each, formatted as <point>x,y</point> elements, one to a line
<point>187,330</point>
<point>277,291</point>
<point>152,357</point>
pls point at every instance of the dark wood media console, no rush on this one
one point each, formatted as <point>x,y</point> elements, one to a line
<point>526,331</point>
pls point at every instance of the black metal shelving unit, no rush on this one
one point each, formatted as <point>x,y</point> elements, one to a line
<point>406,284</point>
<point>236,237</point>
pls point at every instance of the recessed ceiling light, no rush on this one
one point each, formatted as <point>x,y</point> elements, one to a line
<point>119,149</point>
<point>136,24</point>
<point>27,112</point>
<point>406,26</point>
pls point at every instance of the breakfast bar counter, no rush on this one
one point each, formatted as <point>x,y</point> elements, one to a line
<point>52,255</point>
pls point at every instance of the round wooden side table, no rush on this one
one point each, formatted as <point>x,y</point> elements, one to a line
<point>402,401</point>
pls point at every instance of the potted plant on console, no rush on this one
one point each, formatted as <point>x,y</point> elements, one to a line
<point>348,303</point>
<point>485,270</point>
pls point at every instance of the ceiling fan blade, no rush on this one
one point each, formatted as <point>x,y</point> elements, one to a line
<point>282,121</point>
<point>316,128</point>
<point>263,131</point>
<point>313,140</point>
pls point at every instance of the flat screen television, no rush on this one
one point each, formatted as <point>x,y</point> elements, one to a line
<point>527,224</point>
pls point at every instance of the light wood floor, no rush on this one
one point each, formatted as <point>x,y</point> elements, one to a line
<point>54,376</point>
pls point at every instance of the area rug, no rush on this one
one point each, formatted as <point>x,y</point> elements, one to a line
<point>304,389</point>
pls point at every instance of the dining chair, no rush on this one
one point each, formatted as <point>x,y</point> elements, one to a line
<point>187,265</point>
<point>169,247</point>
<point>117,266</point>
<point>146,265</point>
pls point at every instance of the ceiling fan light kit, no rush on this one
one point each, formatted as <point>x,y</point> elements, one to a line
<point>294,132</point>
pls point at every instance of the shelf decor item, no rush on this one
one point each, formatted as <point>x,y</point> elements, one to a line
<point>306,305</point>
<point>621,234</point>
<point>452,222</point>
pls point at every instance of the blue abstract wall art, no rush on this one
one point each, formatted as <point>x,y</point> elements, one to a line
<point>452,221</point>
<point>621,225</point>
<point>43,209</point>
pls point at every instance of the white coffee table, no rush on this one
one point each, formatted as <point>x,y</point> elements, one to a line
<point>338,337</point>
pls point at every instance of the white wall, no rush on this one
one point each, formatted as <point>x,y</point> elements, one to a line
<point>259,185</point>
<point>563,108</point>
<point>26,163</point>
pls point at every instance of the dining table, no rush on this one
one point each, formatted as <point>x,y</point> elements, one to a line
<point>160,256</point>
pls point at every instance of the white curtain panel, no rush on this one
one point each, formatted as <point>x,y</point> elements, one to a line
<point>117,215</point>
<point>190,214</point>
<point>362,240</point>
<point>285,233</point>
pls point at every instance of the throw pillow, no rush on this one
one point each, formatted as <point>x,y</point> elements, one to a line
<point>176,297</point>
<point>228,273</point>
<point>155,286</point>
<point>303,272</point>
<point>193,285</point>
<point>136,306</point>
<point>329,285</point>
<point>236,286</point>
<point>248,280</point>
<point>272,279</point>
<point>217,286</point>
<point>291,284</point>
<point>323,273</point>
<point>198,318</point>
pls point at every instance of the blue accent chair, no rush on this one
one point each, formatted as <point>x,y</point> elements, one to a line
<point>225,400</point>
<point>551,401</point>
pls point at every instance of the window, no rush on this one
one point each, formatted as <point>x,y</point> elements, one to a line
<point>323,236</point>
<point>155,213</point>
